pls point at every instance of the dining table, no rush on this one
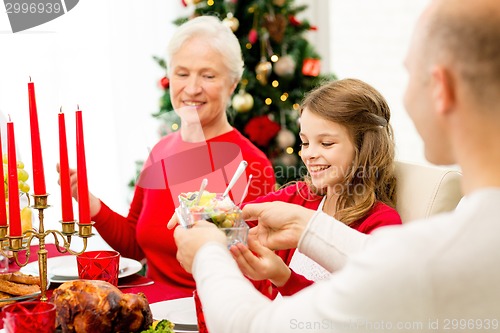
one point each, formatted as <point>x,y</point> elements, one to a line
<point>153,290</point>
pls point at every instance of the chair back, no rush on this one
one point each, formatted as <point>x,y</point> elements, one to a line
<point>424,190</point>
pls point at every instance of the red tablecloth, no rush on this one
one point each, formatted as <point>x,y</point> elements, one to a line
<point>156,292</point>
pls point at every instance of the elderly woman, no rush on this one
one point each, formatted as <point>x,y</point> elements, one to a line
<point>205,65</point>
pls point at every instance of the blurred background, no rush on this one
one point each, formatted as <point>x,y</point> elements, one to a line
<point>99,55</point>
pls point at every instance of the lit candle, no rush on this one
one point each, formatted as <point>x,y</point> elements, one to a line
<point>36,148</point>
<point>14,208</point>
<point>81,169</point>
<point>3,209</point>
<point>66,200</point>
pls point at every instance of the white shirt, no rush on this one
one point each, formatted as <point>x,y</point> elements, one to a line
<point>303,265</point>
<point>424,276</point>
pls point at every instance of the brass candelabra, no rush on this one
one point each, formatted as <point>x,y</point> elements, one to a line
<point>22,243</point>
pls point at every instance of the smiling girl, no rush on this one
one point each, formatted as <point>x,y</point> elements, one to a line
<point>348,150</point>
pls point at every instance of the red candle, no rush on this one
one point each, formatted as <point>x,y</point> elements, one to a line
<point>14,208</point>
<point>3,209</point>
<point>36,148</point>
<point>66,200</point>
<point>83,187</point>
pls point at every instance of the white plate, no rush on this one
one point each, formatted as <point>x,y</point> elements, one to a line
<point>178,311</point>
<point>64,268</point>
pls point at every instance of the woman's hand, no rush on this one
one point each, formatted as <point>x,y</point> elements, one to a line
<point>174,220</point>
<point>260,263</point>
<point>189,241</point>
<point>95,203</point>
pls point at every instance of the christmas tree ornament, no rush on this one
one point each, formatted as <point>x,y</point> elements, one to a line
<point>293,21</point>
<point>275,25</point>
<point>288,159</point>
<point>285,66</point>
<point>311,67</point>
<point>285,138</point>
<point>231,22</point>
<point>164,82</point>
<point>192,2</point>
<point>263,70</point>
<point>261,130</point>
<point>242,101</point>
<point>279,3</point>
<point>253,36</point>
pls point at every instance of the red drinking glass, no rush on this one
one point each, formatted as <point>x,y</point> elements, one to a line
<point>33,316</point>
<point>99,265</point>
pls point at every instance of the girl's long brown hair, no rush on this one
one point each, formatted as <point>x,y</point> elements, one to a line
<point>365,114</point>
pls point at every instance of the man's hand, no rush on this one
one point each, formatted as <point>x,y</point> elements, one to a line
<point>189,241</point>
<point>280,224</point>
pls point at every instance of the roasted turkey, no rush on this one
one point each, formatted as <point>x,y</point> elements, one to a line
<point>85,306</point>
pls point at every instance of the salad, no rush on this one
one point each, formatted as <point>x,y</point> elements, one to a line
<point>211,207</point>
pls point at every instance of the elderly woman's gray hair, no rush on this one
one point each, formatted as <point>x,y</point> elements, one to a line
<point>221,38</point>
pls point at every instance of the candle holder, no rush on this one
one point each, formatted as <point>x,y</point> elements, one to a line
<point>23,243</point>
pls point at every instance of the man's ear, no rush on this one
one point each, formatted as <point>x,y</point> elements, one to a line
<point>443,90</point>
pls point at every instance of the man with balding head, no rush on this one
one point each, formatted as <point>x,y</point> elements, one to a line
<point>440,274</point>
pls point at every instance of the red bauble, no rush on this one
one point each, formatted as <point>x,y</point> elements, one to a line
<point>293,21</point>
<point>253,36</point>
<point>164,82</point>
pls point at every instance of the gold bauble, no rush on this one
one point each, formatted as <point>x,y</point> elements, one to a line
<point>242,101</point>
<point>279,3</point>
<point>263,70</point>
<point>231,22</point>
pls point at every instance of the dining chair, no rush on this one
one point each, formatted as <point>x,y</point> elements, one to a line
<point>424,190</point>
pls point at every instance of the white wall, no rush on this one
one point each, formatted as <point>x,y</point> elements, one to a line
<point>369,40</point>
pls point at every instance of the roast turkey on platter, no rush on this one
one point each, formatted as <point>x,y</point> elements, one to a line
<point>93,306</point>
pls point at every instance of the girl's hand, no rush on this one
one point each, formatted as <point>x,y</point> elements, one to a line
<point>262,265</point>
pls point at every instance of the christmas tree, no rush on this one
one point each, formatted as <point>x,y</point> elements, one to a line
<point>280,67</point>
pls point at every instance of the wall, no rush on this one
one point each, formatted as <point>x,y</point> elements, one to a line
<point>369,40</point>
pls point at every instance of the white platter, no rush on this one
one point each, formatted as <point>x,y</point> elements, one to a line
<point>179,311</point>
<point>64,268</point>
